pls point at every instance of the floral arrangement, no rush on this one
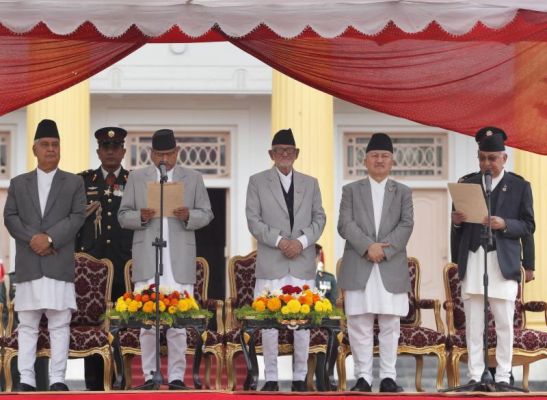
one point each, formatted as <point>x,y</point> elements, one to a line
<point>290,303</point>
<point>141,306</point>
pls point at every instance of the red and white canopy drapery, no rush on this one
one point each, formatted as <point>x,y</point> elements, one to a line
<point>459,65</point>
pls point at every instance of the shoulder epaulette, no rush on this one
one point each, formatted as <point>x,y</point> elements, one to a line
<point>466,177</point>
<point>85,173</point>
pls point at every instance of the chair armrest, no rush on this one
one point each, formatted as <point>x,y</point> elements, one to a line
<point>219,309</point>
<point>2,319</point>
<point>106,321</point>
<point>535,306</point>
<point>230,321</point>
<point>435,305</point>
<point>11,319</point>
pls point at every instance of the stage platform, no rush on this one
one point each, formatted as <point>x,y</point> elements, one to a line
<point>214,395</point>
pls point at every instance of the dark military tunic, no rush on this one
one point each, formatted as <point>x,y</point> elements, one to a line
<point>101,235</point>
<point>327,282</point>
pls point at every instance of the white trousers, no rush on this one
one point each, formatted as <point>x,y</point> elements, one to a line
<point>59,338</point>
<point>270,350</point>
<point>361,339</point>
<point>176,353</point>
<point>503,311</point>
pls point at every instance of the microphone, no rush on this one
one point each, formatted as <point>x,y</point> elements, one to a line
<point>488,181</point>
<point>163,171</point>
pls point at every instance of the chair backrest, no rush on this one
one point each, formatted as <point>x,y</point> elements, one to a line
<point>413,318</point>
<point>93,286</point>
<point>452,286</point>
<point>200,287</point>
<point>241,274</point>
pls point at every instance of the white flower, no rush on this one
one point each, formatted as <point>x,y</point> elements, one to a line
<point>277,292</point>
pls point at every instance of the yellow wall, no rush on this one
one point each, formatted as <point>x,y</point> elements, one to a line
<point>533,168</point>
<point>309,113</point>
<point>70,110</point>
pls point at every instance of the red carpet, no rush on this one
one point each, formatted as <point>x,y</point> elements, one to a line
<point>210,395</point>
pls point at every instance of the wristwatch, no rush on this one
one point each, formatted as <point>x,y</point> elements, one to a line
<point>50,241</point>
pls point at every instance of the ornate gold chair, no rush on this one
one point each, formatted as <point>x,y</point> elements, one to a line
<point>88,328</point>
<point>529,345</point>
<point>213,344</point>
<point>415,340</point>
<point>241,274</point>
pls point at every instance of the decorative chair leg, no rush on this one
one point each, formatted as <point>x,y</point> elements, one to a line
<point>107,369</point>
<point>230,368</point>
<point>8,357</point>
<point>207,358</point>
<point>219,357</point>
<point>525,375</point>
<point>441,368</point>
<point>312,361</point>
<point>419,368</point>
<point>341,368</point>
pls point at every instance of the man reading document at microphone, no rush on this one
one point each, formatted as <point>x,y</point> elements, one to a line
<point>179,257</point>
<point>512,217</point>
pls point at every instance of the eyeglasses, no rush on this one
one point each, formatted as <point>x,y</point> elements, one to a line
<point>290,151</point>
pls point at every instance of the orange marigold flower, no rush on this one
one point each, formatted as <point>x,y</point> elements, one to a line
<point>145,298</point>
<point>174,302</point>
<point>286,298</point>
<point>274,304</point>
<point>175,294</point>
<point>138,297</point>
<point>126,295</point>
<point>305,287</point>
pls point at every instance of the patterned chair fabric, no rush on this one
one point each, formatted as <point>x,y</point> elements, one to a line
<point>214,342</point>
<point>414,339</point>
<point>528,344</point>
<point>241,274</point>
<point>88,331</point>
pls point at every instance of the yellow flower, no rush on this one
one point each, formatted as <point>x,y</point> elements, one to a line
<point>259,305</point>
<point>172,309</point>
<point>162,306</point>
<point>285,310</point>
<point>305,309</point>
<point>184,305</point>
<point>149,307</point>
<point>319,307</point>
<point>274,304</point>
<point>128,300</point>
<point>133,306</point>
<point>294,306</point>
<point>193,303</point>
<point>121,306</point>
<point>328,307</point>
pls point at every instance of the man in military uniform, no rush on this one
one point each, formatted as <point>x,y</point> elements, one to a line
<point>324,280</point>
<point>101,236</point>
<point>528,245</point>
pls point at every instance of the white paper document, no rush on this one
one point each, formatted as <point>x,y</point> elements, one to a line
<point>468,198</point>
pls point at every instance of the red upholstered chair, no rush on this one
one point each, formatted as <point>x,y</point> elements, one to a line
<point>213,344</point>
<point>529,345</point>
<point>415,340</point>
<point>241,275</point>
<point>88,329</point>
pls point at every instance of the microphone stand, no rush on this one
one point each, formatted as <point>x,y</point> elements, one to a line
<point>487,382</point>
<point>159,243</point>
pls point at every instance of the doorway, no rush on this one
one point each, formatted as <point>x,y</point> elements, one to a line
<point>211,242</point>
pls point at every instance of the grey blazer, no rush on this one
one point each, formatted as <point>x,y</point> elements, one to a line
<point>63,216</point>
<point>182,240</point>
<point>268,218</point>
<point>356,225</point>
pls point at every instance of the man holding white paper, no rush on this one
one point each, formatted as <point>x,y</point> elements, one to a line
<point>179,257</point>
<point>512,217</point>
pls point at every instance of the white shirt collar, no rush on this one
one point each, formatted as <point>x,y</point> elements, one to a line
<point>116,173</point>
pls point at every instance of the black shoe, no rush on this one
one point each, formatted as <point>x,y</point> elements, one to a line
<point>147,385</point>
<point>177,384</point>
<point>390,386</point>
<point>270,386</point>
<point>299,386</point>
<point>361,386</point>
<point>23,387</point>
<point>504,387</point>
<point>58,387</point>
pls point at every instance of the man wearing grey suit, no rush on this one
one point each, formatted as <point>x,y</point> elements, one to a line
<point>179,257</point>
<point>44,210</point>
<point>376,219</point>
<point>285,215</point>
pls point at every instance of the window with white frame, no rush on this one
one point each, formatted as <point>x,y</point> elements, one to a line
<point>4,154</point>
<point>206,152</point>
<point>416,155</point>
